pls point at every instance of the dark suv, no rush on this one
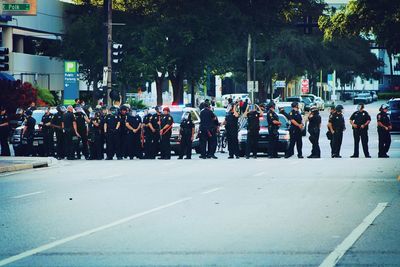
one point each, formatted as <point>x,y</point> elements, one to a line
<point>394,114</point>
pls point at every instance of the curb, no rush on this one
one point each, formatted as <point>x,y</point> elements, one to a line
<point>16,167</point>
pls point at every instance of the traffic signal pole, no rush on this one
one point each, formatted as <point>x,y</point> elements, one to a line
<point>108,52</point>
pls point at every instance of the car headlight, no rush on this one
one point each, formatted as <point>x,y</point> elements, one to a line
<point>284,136</point>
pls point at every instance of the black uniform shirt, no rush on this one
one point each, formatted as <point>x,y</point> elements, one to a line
<point>295,115</point>
<point>3,119</point>
<point>360,118</point>
<point>146,120</point>
<point>57,119</point>
<point>80,122</point>
<point>206,119</point>
<point>123,120</point>
<point>134,121</point>
<point>253,121</point>
<point>69,119</point>
<point>383,118</point>
<point>272,116</point>
<point>186,127</point>
<point>46,119</point>
<point>314,121</point>
<point>93,129</point>
<point>155,121</point>
<point>30,123</point>
<point>111,121</point>
<point>337,121</point>
<point>166,120</point>
<point>232,121</point>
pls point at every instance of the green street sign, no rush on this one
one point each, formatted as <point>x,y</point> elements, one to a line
<point>70,66</point>
<point>16,7</point>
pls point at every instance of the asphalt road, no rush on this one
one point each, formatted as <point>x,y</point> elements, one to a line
<point>263,212</point>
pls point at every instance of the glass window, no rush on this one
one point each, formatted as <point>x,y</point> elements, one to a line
<point>38,116</point>
<point>177,116</point>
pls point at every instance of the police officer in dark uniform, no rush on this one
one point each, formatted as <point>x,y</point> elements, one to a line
<point>165,134</point>
<point>384,127</point>
<point>231,123</point>
<point>103,114</point>
<point>148,134</point>
<point>94,136</point>
<point>123,132</point>
<point>111,130</point>
<point>314,126</point>
<point>273,130</point>
<point>28,132</point>
<point>207,123</point>
<point>359,120</point>
<point>56,123</point>
<point>134,127</point>
<point>295,129</point>
<point>154,126</point>
<point>81,120</point>
<point>253,114</point>
<point>337,127</point>
<point>213,142</point>
<point>48,133</point>
<point>186,135</point>
<point>4,131</point>
<point>70,130</point>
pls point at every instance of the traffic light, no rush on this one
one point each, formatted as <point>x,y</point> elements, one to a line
<point>117,53</point>
<point>4,59</point>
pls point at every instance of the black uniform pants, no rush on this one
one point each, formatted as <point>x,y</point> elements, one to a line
<point>233,143</point>
<point>155,144</point>
<point>29,146</point>
<point>212,143</point>
<point>186,145</point>
<point>123,145</point>
<point>337,139</point>
<point>5,148</point>
<point>48,142</point>
<point>205,138</point>
<point>363,135</point>
<point>274,142</point>
<point>314,139</point>
<point>84,150</point>
<point>60,143</point>
<point>165,145</point>
<point>96,147</point>
<point>112,140</point>
<point>295,139</point>
<point>147,146</point>
<point>252,143</point>
<point>69,145</point>
<point>384,141</point>
<point>134,148</point>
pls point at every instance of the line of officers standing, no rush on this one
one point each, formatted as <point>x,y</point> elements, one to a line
<point>359,121</point>
<point>121,130</point>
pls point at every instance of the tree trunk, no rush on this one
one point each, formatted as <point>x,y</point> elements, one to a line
<point>95,99</point>
<point>391,70</point>
<point>177,87</point>
<point>159,83</point>
<point>193,104</point>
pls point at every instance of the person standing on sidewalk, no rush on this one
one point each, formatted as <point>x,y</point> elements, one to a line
<point>314,127</point>
<point>48,133</point>
<point>384,127</point>
<point>295,130</point>
<point>4,131</point>
<point>359,120</point>
<point>337,127</point>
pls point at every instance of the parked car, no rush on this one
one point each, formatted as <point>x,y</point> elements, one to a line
<point>16,138</point>
<point>363,98</point>
<point>263,140</point>
<point>374,96</point>
<point>176,113</point>
<point>394,114</point>
<point>320,103</point>
<point>297,99</point>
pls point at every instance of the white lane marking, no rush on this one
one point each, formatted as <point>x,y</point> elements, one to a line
<point>211,191</point>
<point>259,174</point>
<point>88,232</point>
<point>334,257</point>
<point>27,195</point>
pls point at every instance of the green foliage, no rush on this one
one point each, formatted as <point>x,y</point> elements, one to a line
<point>134,103</point>
<point>46,96</point>
<point>388,95</point>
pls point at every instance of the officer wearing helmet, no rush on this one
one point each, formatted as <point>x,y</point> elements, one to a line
<point>295,130</point>
<point>81,120</point>
<point>94,137</point>
<point>111,130</point>
<point>384,127</point>
<point>165,133</point>
<point>186,135</point>
<point>314,126</point>
<point>47,132</point>
<point>147,134</point>
<point>337,127</point>
<point>123,132</point>
<point>70,130</point>
<point>253,114</point>
<point>28,132</point>
<point>154,126</point>
<point>359,121</point>
<point>273,130</point>
<point>231,123</point>
<point>56,123</point>
<point>134,127</point>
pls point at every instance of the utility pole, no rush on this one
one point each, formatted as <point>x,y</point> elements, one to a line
<point>249,60</point>
<point>108,52</point>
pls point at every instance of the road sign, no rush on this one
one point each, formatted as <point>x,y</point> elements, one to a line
<point>71,82</point>
<point>280,84</point>
<point>305,86</point>
<point>251,86</point>
<point>24,8</point>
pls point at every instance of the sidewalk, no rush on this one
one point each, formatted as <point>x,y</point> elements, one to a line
<point>11,164</point>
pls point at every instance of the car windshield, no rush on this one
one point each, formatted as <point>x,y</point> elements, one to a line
<point>292,99</point>
<point>38,116</point>
<point>177,115</point>
<point>264,122</point>
<point>394,105</point>
<point>307,100</point>
<point>220,112</point>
